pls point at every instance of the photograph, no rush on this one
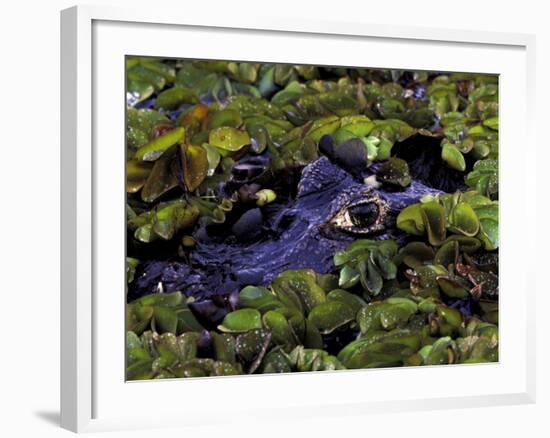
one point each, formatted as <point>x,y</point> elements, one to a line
<point>228,220</point>
<point>286,218</point>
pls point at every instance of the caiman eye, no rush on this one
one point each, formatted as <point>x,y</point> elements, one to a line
<point>366,215</point>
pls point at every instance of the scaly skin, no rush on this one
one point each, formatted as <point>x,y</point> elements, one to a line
<point>306,233</point>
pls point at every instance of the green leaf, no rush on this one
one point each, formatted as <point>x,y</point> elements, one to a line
<point>353,301</point>
<point>195,166</point>
<point>488,234</point>
<point>484,177</point>
<point>349,277</point>
<point>323,126</point>
<point>172,98</point>
<point>140,124</point>
<point>452,288</point>
<point>213,156</point>
<point>433,216</point>
<point>162,177</point>
<point>331,315</point>
<point>136,175</point>
<point>258,298</point>
<point>140,370</point>
<point>165,319</point>
<point>154,149</point>
<point>279,327</point>
<point>174,217</point>
<point>161,68</point>
<point>463,220</point>
<point>370,278</point>
<point>241,320</point>
<point>396,172</point>
<point>131,264</point>
<point>142,73</point>
<point>187,321</point>
<point>453,157</point>
<point>139,91</point>
<point>411,221</point>
<point>298,288</point>
<point>342,135</point>
<point>359,125</point>
<point>491,123</point>
<point>228,138</point>
<point>226,117</point>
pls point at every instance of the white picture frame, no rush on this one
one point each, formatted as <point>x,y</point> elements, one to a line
<point>94,396</point>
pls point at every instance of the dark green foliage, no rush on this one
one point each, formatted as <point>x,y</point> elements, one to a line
<point>431,300</point>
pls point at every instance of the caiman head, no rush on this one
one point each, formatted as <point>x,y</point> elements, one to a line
<point>331,209</point>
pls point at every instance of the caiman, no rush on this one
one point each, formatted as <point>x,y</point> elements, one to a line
<point>331,208</point>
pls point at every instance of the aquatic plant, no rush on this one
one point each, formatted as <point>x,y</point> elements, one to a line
<point>286,169</point>
<point>469,214</point>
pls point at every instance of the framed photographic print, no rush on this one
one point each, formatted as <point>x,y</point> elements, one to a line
<point>315,209</point>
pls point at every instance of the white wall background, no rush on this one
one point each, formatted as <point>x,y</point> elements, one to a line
<point>29,218</point>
